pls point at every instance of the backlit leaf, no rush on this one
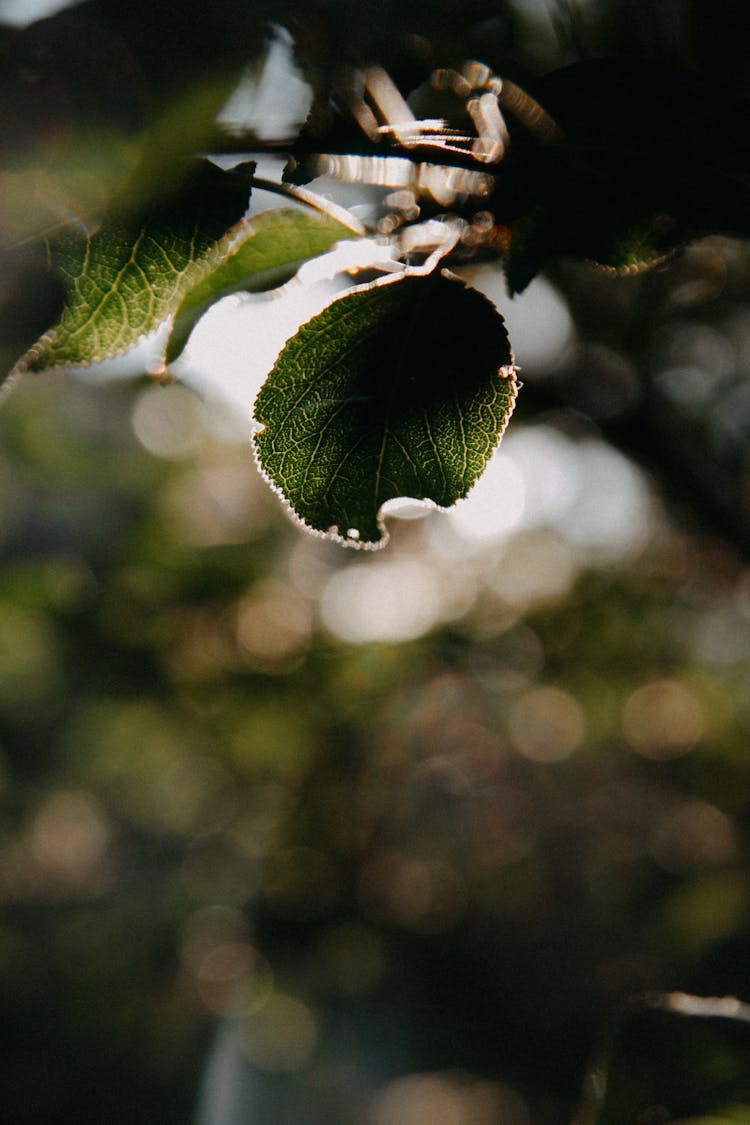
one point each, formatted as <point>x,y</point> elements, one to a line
<point>127,278</point>
<point>131,276</point>
<point>266,251</point>
<point>401,388</point>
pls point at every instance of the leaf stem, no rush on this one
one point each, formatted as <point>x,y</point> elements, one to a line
<point>10,383</point>
<point>310,199</point>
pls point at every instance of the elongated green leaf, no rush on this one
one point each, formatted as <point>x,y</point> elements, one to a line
<point>132,276</point>
<point>401,388</point>
<point>265,252</point>
<point>126,279</point>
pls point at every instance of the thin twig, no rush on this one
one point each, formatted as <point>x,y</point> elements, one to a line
<point>310,199</point>
<point>10,383</point>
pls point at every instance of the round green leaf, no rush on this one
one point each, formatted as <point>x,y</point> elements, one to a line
<point>401,388</point>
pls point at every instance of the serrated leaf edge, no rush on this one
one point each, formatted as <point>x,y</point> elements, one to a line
<point>196,272</point>
<point>192,275</point>
<point>333,534</point>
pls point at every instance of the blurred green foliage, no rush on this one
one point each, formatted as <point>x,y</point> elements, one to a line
<point>199,776</point>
